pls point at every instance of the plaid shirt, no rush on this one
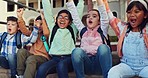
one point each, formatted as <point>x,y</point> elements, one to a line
<point>9,44</point>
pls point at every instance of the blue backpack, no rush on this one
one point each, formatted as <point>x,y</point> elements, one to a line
<point>17,38</point>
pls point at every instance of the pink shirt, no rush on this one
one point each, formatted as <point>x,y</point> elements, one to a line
<point>90,41</point>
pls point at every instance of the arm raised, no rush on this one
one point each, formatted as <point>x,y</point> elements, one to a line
<point>21,22</point>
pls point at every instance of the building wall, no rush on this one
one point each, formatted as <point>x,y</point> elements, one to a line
<point>4,14</point>
<point>115,5</point>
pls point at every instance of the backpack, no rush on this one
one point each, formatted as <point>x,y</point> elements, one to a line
<point>104,39</point>
<point>54,30</point>
<point>17,38</point>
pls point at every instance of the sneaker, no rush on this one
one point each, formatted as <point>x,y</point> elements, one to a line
<point>20,76</point>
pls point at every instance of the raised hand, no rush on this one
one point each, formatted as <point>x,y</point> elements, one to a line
<point>37,23</point>
<point>106,5</point>
<point>20,12</point>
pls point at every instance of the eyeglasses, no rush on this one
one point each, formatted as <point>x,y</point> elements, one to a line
<point>61,17</point>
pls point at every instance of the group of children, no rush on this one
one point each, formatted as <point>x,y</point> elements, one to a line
<point>92,57</point>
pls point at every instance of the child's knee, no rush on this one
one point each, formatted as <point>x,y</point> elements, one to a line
<point>21,51</point>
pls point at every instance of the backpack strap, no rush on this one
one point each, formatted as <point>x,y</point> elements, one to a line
<point>104,38</point>
<point>72,33</point>
<point>43,38</point>
<point>18,40</point>
<point>2,39</point>
<point>101,33</point>
<point>83,31</point>
<point>54,30</point>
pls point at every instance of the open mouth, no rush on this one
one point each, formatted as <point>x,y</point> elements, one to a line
<point>132,22</point>
<point>9,30</point>
<point>62,23</point>
<point>90,22</point>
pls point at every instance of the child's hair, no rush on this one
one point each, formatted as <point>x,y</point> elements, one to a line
<point>12,18</point>
<point>67,12</point>
<point>140,6</point>
<point>38,18</point>
<point>84,19</point>
<point>97,12</point>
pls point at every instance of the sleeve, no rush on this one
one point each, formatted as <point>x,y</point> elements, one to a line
<point>80,8</point>
<point>76,19</point>
<point>113,21</point>
<point>31,39</point>
<point>48,14</point>
<point>103,19</point>
<point>45,28</point>
<point>23,27</point>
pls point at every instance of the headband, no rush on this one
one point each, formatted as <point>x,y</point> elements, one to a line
<point>141,1</point>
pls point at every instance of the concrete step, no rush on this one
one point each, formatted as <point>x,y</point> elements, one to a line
<point>5,73</point>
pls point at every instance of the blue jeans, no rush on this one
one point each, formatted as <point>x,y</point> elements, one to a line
<point>61,65</point>
<point>123,70</point>
<point>98,64</point>
<point>10,62</point>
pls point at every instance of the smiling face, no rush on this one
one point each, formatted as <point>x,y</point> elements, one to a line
<point>135,17</point>
<point>63,20</point>
<point>93,19</point>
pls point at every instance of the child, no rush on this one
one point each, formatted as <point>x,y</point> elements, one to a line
<point>93,56</point>
<point>9,49</point>
<point>133,41</point>
<point>29,61</point>
<point>62,42</point>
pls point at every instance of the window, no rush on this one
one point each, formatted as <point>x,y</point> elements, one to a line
<point>58,3</point>
<point>115,14</point>
<point>20,6</point>
<point>31,5</point>
<point>10,7</point>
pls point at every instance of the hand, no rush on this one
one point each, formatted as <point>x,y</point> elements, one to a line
<point>38,23</point>
<point>20,12</point>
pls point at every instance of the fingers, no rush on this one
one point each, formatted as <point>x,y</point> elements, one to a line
<point>20,12</point>
<point>38,23</point>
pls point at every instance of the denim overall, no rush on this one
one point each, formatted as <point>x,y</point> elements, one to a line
<point>135,53</point>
